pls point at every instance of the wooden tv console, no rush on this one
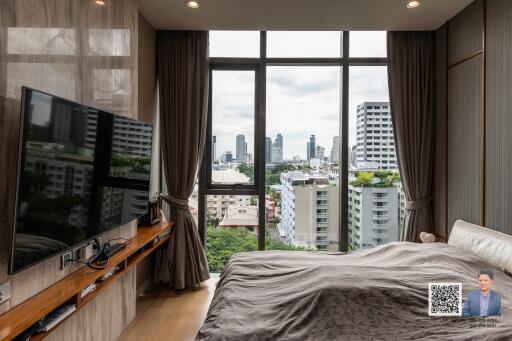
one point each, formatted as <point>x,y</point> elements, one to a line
<point>18,319</point>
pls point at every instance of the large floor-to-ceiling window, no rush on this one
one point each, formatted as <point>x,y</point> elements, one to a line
<point>300,151</point>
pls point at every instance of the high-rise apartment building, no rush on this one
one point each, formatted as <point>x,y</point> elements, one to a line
<point>277,153</point>
<point>311,147</point>
<point>335,150</point>
<point>67,124</point>
<point>274,150</point>
<point>277,149</point>
<point>372,216</point>
<point>131,137</point>
<point>227,156</point>
<point>375,141</point>
<point>279,141</point>
<point>241,148</point>
<point>320,153</point>
<point>268,150</point>
<point>309,211</point>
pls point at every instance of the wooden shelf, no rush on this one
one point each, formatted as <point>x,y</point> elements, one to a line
<point>24,315</point>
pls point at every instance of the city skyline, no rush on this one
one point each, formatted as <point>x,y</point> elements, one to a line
<point>297,148</point>
<point>278,142</point>
<point>331,154</point>
<point>300,101</point>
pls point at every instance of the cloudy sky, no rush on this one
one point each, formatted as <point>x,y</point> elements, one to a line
<point>301,100</point>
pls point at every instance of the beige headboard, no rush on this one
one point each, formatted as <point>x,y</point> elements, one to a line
<point>492,246</point>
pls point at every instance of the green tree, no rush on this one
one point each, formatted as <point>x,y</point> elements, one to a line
<point>276,196</point>
<point>305,168</point>
<point>271,244</point>
<point>386,178</point>
<point>223,243</point>
<point>254,201</point>
<point>247,170</point>
<point>283,167</point>
<point>393,178</point>
<point>363,179</point>
<point>272,178</point>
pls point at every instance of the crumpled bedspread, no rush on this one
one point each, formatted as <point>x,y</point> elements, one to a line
<point>376,294</point>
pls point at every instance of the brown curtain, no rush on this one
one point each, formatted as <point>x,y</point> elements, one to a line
<point>183,84</point>
<point>411,92</point>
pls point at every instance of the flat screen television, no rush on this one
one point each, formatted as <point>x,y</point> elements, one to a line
<point>81,172</point>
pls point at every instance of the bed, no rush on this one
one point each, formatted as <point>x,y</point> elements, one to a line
<point>377,294</point>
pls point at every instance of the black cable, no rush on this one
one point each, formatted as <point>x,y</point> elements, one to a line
<point>89,264</point>
<point>128,241</point>
<point>76,261</point>
<point>102,251</point>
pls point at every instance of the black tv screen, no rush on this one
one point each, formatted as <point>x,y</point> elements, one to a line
<point>81,172</point>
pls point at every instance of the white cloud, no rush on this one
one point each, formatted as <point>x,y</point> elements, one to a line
<point>301,100</point>
<point>306,104</point>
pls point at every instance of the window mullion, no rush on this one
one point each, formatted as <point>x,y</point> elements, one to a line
<point>343,167</point>
<point>261,89</point>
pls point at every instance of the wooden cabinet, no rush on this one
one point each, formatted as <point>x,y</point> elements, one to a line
<point>23,316</point>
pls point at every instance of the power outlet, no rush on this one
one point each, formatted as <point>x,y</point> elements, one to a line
<point>77,253</point>
<point>86,252</point>
<point>66,259</point>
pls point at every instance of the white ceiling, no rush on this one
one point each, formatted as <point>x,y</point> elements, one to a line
<point>300,14</point>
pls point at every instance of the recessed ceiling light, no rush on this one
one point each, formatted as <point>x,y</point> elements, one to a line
<point>192,4</point>
<point>413,4</point>
<point>100,2</point>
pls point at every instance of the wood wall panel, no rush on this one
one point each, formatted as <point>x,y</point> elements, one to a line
<point>100,71</point>
<point>441,121</point>
<point>113,310</point>
<point>9,126</point>
<point>464,142</point>
<point>498,182</point>
<point>465,33</point>
<point>30,281</point>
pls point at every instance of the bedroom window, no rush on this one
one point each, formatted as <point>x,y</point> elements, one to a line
<point>300,103</point>
<point>305,153</point>
<point>233,122</point>
<point>374,175</point>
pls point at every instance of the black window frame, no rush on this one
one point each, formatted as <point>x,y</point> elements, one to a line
<point>220,187</point>
<point>259,64</point>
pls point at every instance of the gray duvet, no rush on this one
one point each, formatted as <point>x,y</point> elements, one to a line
<point>377,294</point>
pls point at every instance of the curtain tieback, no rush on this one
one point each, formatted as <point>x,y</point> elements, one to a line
<point>412,205</point>
<point>180,204</point>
